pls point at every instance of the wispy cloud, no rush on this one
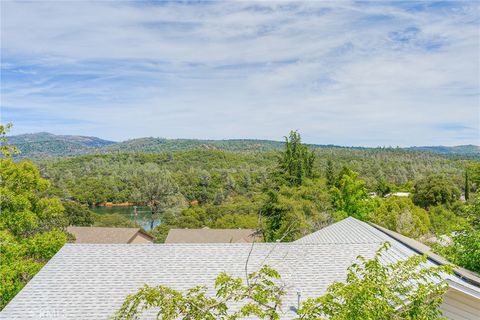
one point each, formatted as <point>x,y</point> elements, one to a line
<point>351,73</point>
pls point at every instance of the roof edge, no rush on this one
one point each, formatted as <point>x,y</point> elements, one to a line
<point>140,230</point>
<point>464,274</point>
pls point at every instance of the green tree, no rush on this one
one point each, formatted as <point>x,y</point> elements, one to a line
<point>159,191</point>
<point>467,186</point>
<point>465,249</point>
<point>275,214</point>
<point>77,214</point>
<point>473,211</point>
<point>350,195</point>
<point>473,169</point>
<point>31,225</point>
<point>435,189</point>
<point>230,183</point>
<point>5,149</point>
<point>444,221</point>
<point>382,188</point>
<point>373,290</point>
<point>113,220</point>
<point>292,212</point>
<point>401,215</point>
<point>235,221</point>
<point>330,174</point>
<point>296,161</point>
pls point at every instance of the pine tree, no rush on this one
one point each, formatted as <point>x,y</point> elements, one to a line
<point>467,186</point>
<point>274,213</point>
<point>296,161</point>
<point>330,174</point>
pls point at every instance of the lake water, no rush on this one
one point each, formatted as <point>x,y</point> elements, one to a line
<point>144,216</point>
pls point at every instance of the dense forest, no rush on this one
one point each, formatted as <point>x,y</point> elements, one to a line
<point>201,174</point>
<point>286,192</point>
<point>46,145</point>
<point>232,189</point>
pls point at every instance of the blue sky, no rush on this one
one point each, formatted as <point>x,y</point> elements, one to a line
<point>348,73</point>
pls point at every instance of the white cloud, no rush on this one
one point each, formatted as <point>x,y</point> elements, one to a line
<point>340,72</point>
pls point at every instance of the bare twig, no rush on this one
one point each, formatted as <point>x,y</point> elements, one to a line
<point>276,244</point>
<point>246,262</point>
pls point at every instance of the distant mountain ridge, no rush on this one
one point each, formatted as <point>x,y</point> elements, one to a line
<point>44,144</point>
<point>464,149</point>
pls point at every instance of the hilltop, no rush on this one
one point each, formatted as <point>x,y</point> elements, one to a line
<point>469,149</point>
<point>45,145</point>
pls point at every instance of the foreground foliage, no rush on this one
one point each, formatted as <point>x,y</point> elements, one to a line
<point>31,226</point>
<point>373,290</point>
<point>464,250</point>
<point>31,223</point>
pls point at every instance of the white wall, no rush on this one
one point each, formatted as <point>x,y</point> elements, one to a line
<point>460,306</point>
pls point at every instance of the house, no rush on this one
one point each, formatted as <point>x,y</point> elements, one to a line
<point>207,235</point>
<point>398,194</point>
<point>91,281</point>
<point>109,235</point>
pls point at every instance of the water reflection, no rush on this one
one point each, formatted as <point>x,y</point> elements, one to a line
<point>144,216</point>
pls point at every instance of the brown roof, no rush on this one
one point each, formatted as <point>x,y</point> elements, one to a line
<point>105,235</point>
<point>207,235</point>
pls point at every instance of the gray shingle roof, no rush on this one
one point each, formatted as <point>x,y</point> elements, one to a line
<point>87,281</point>
<point>353,231</point>
<point>349,230</point>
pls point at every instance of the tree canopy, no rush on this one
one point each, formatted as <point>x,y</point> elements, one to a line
<point>464,250</point>
<point>77,214</point>
<point>31,225</point>
<point>350,196</point>
<point>401,215</point>
<point>295,161</point>
<point>434,190</point>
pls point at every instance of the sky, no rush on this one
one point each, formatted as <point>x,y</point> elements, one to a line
<point>398,73</point>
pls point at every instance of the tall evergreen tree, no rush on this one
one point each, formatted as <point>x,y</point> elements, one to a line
<point>330,174</point>
<point>296,161</point>
<point>467,186</point>
<point>275,214</point>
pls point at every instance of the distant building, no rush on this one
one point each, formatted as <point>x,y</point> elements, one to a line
<point>398,194</point>
<point>207,235</point>
<point>109,235</point>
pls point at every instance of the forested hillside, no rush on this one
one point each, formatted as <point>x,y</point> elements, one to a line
<point>466,151</point>
<point>215,188</point>
<point>45,145</point>
<point>114,177</point>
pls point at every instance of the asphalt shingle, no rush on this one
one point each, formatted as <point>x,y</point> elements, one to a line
<point>90,281</point>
